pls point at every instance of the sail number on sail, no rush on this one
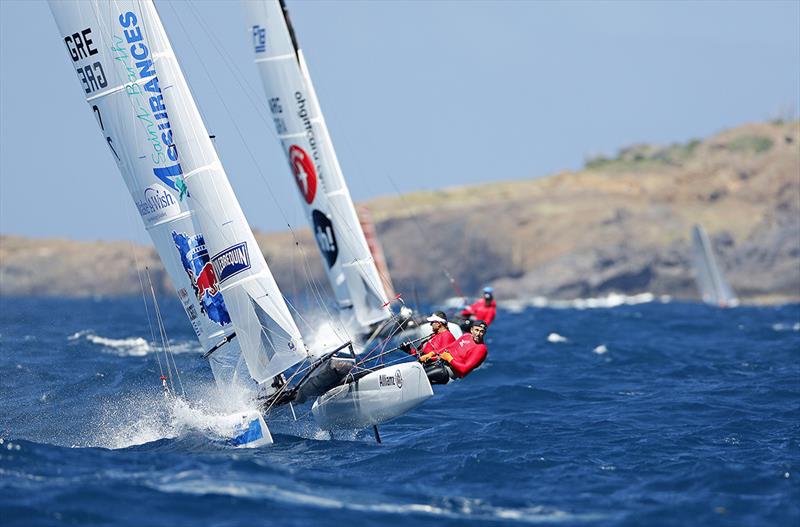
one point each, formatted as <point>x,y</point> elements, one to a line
<point>80,47</point>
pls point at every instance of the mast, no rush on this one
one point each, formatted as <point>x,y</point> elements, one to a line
<point>137,92</point>
<point>304,136</point>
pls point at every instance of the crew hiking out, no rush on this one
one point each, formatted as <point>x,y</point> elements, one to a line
<point>458,359</point>
<point>484,309</point>
<point>440,338</point>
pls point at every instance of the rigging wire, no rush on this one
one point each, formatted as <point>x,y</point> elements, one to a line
<point>411,214</point>
<point>242,139</point>
<point>147,310</point>
<point>108,34</point>
<point>247,89</point>
<point>387,175</point>
<point>164,340</point>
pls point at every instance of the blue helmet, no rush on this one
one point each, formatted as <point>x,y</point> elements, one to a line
<point>488,289</point>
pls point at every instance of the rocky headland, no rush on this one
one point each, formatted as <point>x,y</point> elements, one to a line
<point>622,224</point>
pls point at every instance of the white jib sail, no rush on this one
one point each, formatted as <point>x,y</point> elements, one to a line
<point>714,289</point>
<point>134,85</point>
<point>304,136</point>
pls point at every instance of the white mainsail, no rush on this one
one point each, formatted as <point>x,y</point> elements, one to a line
<point>713,287</point>
<point>304,136</point>
<point>142,103</point>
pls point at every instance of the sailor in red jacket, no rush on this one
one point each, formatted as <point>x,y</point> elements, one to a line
<point>484,309</point>
<point>441,337</point>
<point>461,357</point>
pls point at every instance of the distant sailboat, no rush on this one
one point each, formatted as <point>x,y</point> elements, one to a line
<point>711,284</point>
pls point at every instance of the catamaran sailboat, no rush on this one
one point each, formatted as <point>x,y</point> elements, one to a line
<point>359,288</point>
<point>133,83</point>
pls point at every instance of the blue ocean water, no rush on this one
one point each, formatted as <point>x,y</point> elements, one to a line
<point>653,414</point>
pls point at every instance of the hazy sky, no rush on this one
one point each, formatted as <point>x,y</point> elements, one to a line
<point>418,95</point>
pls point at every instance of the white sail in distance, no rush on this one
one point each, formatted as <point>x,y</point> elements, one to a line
<point>134,85</point>
<point>306,142</point>
<point>713,287</point>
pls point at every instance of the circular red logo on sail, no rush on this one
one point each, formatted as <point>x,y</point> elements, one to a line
<point>304,172</point>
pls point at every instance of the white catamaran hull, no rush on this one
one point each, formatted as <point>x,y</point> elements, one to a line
<point>373,399</point>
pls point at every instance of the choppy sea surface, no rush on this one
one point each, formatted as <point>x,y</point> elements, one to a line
<point>651,414</point>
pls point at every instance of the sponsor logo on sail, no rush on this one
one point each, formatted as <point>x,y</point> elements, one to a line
<point>326,238</point>
<point>391,380</point>
<point>197,264</point>
<point>206,280</point>
<point>259,39</point>
<point>304,172</point>
<point>156,203</point>
<point>231,261</point>
<point>304,114</point>
<point>144,92</point>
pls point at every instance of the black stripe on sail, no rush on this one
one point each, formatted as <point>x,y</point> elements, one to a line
<point>289,26</point>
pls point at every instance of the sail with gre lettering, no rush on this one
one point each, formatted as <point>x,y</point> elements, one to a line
<point>304,136</point>
<point>135,88</point>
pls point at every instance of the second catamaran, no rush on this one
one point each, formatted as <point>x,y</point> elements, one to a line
<point>302,131</point>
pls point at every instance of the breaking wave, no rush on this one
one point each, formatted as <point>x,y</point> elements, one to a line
<point>609,301</point>
<point>138,419</point>
<point>456,508</point>
<point>781,326</point>
<point>131,346</point>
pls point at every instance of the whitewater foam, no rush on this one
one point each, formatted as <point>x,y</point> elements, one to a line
<point>131,346</point>
<point>327,337</point>
<point>142,418</point>
<point>780,326</point>
<point>609,301</point>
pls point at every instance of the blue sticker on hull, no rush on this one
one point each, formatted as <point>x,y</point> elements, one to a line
<point>253,433</point>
